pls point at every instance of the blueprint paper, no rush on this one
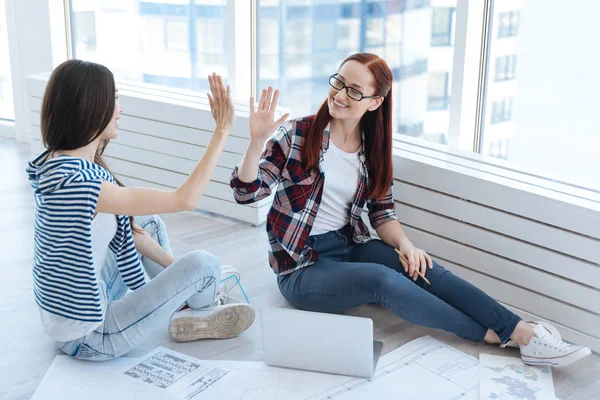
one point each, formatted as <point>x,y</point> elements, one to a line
<point>424,368</point>
<point>507,378</point>
<point>72,379</point>
<point>161,374</point>
<point>174,373</point>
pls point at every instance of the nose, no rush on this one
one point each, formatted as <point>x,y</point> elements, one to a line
<point>341,95</point>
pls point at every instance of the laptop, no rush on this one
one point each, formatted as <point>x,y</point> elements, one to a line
<point>336,344</point>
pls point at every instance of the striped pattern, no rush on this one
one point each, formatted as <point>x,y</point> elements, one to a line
<point>298,197</point>
<point>66,193</point>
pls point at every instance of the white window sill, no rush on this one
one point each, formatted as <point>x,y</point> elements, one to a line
<point>483,180</point>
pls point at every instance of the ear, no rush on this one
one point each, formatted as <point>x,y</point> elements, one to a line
<point>376,103</point>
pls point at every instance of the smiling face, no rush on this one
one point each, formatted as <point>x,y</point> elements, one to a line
<point>359,78</point>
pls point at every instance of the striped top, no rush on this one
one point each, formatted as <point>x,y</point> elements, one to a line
<point>66,191</point>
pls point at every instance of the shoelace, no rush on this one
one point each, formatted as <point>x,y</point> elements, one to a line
<point>553,341</point>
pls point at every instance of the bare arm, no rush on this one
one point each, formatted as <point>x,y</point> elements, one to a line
<point>141,201</point>
<point>148,247</point>
<point>393,234</point>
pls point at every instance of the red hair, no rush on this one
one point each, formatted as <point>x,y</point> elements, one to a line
<point>377,126</point>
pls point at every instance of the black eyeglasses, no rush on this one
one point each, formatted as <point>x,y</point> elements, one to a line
<point>351,92</point>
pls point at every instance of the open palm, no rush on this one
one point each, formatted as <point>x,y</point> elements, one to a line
<point>261,120</point>
<point>221,104</point>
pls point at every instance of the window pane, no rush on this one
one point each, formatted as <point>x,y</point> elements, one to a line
<point>442,26</point>
<point>174,43</point>
<point>319,34</point>
<point>7,110</point>
<point>540,108</point>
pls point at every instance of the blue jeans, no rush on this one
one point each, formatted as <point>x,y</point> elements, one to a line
<point>347,275</point>
<point>132,315</point>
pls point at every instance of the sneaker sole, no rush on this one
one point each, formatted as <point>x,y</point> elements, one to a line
<point>223,324</point>
<point>558,362</point>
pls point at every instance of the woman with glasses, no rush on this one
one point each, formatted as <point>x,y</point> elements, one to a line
<point>323,169</point>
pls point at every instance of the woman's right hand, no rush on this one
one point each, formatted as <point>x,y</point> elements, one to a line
<point>221,104</point>
<point>262,125</point>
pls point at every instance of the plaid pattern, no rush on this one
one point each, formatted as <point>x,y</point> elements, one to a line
<point>298,196</point>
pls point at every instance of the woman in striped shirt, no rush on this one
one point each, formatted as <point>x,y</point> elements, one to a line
<point>94,295</point>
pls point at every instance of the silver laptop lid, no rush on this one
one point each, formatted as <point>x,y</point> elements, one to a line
<point>318,342</point>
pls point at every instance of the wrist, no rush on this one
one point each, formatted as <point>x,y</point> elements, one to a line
<point>256,144</point>
<point>404,243</point>
<point>221,130</point>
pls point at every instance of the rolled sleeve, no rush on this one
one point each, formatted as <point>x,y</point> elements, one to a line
<point>382,211</point>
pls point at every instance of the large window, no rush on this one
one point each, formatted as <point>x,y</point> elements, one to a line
<point>536,107</point>
<point>174,43</point>
<point>7,110</point>
<point>542,111</point>
<point>301,43</point>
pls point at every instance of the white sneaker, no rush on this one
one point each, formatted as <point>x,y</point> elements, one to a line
<point>546,349</point>
<point>221,322</point>
<point>549,327</point>
<point>230,277</point>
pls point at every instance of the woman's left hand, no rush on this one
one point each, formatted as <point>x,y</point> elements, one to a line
<point>418,260</point>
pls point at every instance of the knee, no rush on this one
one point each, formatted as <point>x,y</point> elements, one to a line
<point>202,263</point>
<point>383,279</point>
<point>434,274</point>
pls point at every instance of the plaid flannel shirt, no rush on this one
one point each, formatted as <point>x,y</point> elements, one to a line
<point>298,196</point>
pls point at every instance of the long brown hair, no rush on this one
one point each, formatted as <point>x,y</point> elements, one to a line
<point>377,126</point>
<point>78,105</point>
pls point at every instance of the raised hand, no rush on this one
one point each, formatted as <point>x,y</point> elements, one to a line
<point>261,120</point>
<point>221,104</point>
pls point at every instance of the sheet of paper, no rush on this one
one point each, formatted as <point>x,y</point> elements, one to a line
<point>507,378</point>
<point>72,379</point>
<point>258,381</point>
<point>161,374</point>
<point>424,368</point>
<point>174,373</point>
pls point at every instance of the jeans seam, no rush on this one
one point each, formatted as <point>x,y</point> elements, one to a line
<point>151,312</point>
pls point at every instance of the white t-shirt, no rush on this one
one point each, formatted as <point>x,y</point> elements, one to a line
<point>342,174</point>
<point>61,329</point>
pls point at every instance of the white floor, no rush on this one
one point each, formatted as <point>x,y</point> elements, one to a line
<point>26,353</point>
